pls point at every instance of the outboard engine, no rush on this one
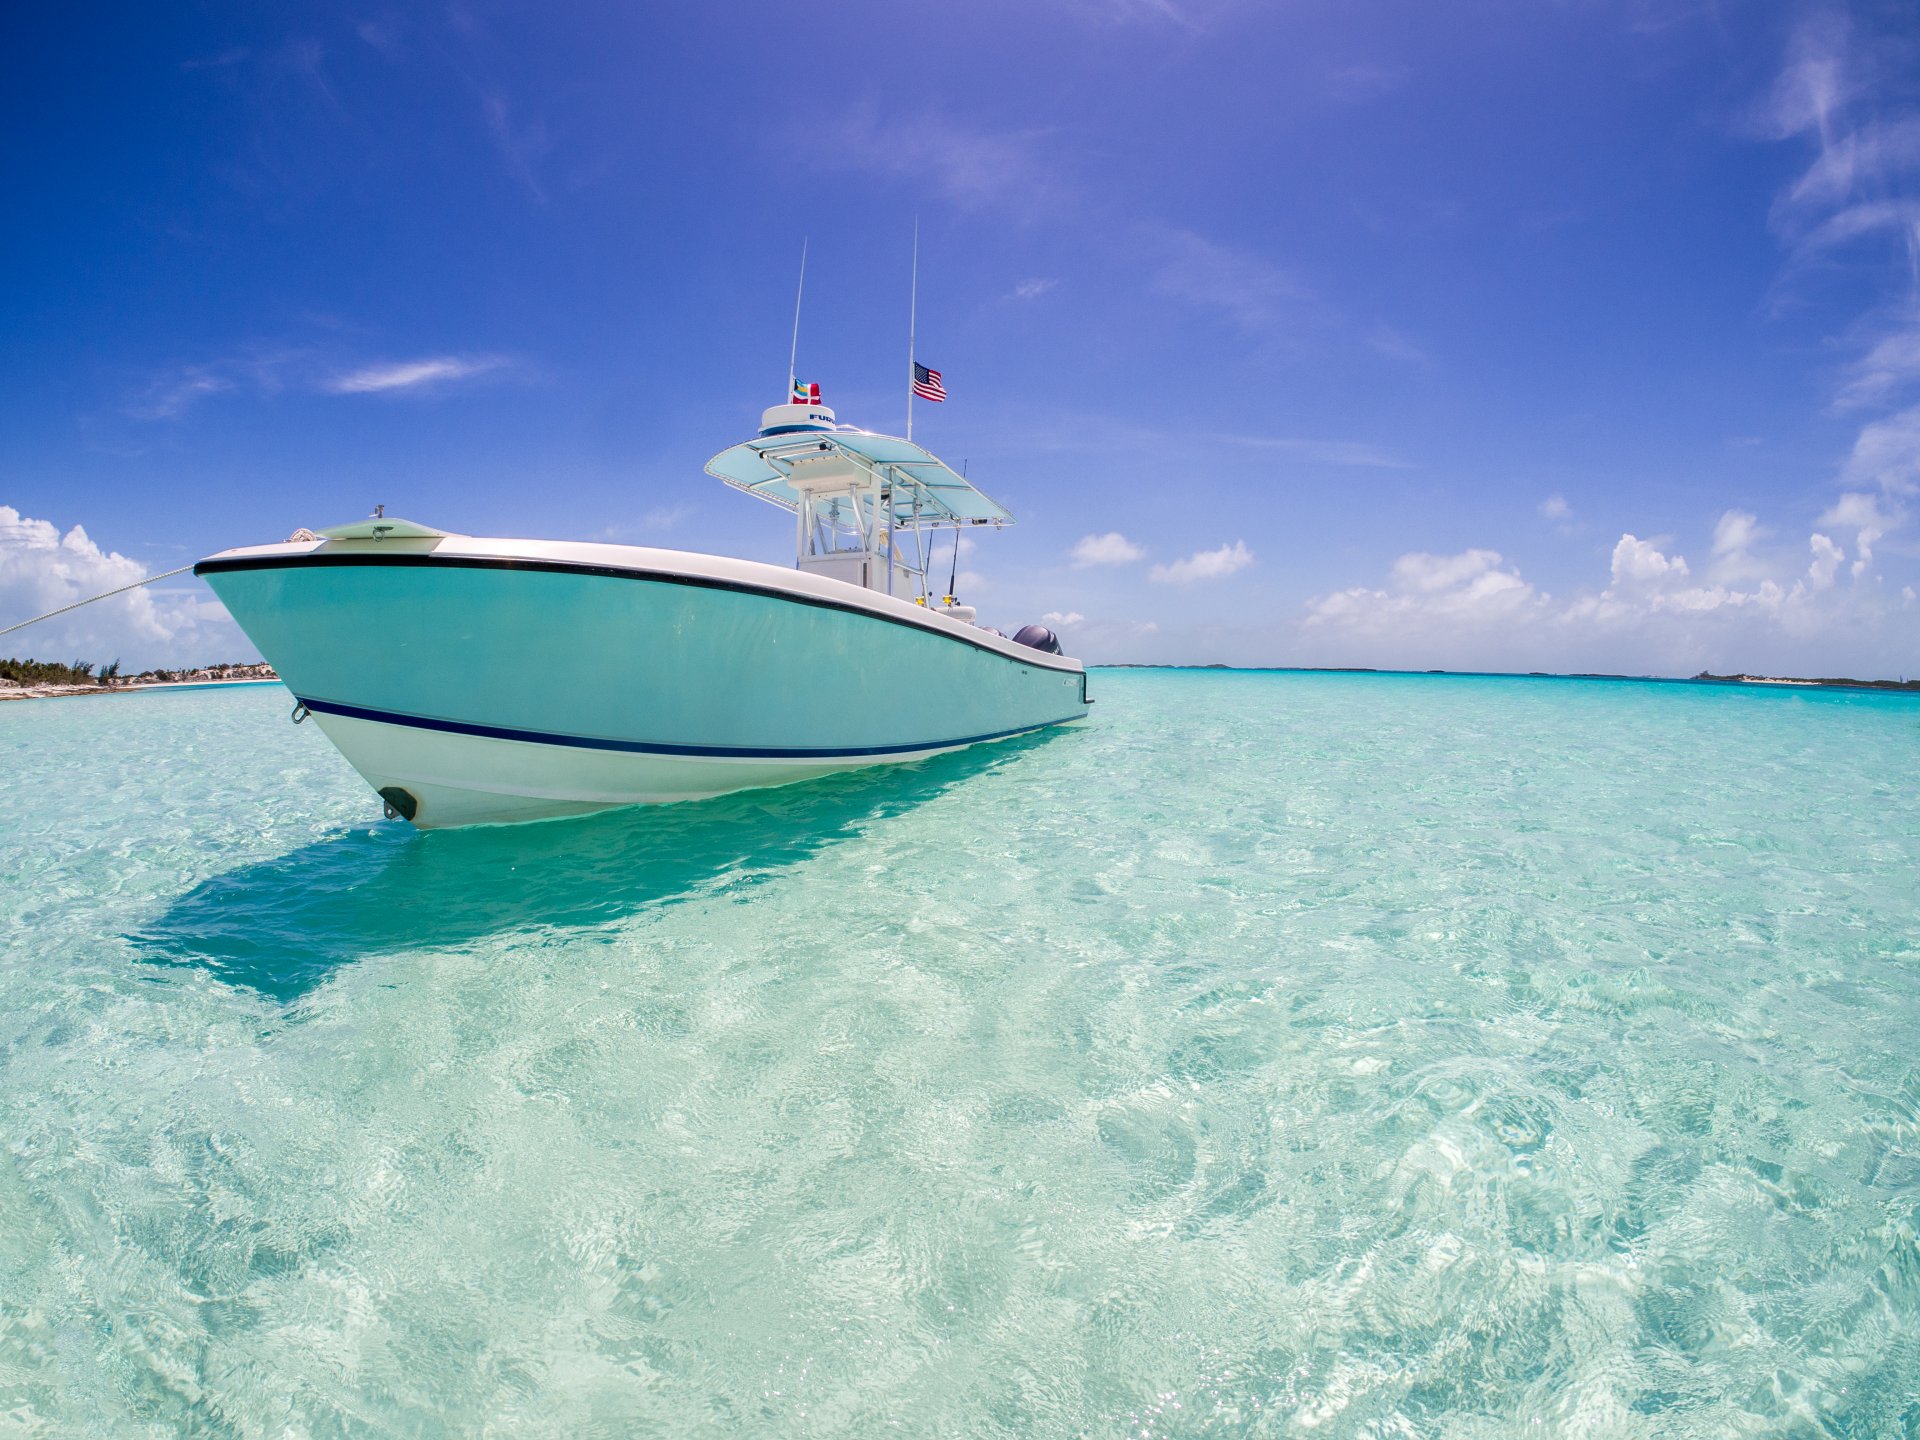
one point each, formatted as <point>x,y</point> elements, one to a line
<point>1037,637</point>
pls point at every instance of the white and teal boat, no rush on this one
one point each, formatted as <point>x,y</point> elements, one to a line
<point>475,680</point>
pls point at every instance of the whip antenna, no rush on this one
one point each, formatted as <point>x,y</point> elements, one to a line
<point>793,355</point>
<point>913,312</point>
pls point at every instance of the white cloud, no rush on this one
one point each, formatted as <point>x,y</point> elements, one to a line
<point>1033,289</point>
<point>1640,562</point>
<point>1063,621</point>
<point>42,570</point>
<point>1474,610</point>
<point>1555,507</point>
<point>1735,532</point>
<point>1475,587</point>
<point>1206,565</point>
<point>1862,513</point>
<point>1736,536</point>
<point>411,374</point>
<point>1112,548</point>
<point>1827,558</point>
<point>1427,574</point>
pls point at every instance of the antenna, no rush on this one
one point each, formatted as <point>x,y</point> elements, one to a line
<point>793,355</point>
<point>913,315</point>
<point>953,575</point>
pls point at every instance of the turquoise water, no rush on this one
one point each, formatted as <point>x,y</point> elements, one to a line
<point>1281,1054</point>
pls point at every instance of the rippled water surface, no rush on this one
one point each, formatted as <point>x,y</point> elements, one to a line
<point>1280,1054</point>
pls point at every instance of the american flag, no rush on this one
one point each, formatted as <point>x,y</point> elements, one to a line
<point>926,383</point>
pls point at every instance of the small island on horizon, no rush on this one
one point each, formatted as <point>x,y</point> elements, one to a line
<point>1705,677</point>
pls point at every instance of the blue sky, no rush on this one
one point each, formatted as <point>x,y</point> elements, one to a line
<point>1529,336</point>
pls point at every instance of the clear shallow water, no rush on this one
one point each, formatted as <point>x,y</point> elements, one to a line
<point>1282,1054</point>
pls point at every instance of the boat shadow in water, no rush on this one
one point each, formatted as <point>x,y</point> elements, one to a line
<point>282,926</point>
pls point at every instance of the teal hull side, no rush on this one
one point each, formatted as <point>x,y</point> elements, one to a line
<point>632,659</point>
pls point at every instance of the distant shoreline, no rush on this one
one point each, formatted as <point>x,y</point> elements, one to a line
<point>193,679</point>
<point>1703,678</point>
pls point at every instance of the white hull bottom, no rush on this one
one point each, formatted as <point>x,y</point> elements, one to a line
<point>459,779</point>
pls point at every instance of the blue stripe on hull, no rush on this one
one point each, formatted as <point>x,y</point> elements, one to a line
<point>643,747</point>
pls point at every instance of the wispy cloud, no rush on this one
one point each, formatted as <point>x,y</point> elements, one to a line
<point>411,374</point>
<point>225,59</point>
<point>1355,84</point>
<point>665,517</point>
<point>1249,290</point>
<point>477,56</point>
<point>173,396</point>
<point>1033,289</point>
<point>1555,507</point>
<point>975,169</point>
<point>1887,454</point>
<point>1890,367</point>
<point>1832,92</point>
<point>1386,341</point>
<point>1877,149</point>
<point>263,371</point>
<point>1112,548</point>
<point>522,144</point>
<point>1849,94</point>
<point>1183,14</point>
<point>255,369</point>
<point>384,34</point>
<point>306,59</point>
<point>657,521</point>
<point>1359,454</point>
<point>1206,565</point>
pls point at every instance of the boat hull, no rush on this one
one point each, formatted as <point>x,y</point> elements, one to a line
<point>476,681</point>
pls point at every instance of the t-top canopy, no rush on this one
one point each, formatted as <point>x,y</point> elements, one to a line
<point>924,490</point>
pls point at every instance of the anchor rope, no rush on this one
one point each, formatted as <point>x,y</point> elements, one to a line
<point>103,595</point>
